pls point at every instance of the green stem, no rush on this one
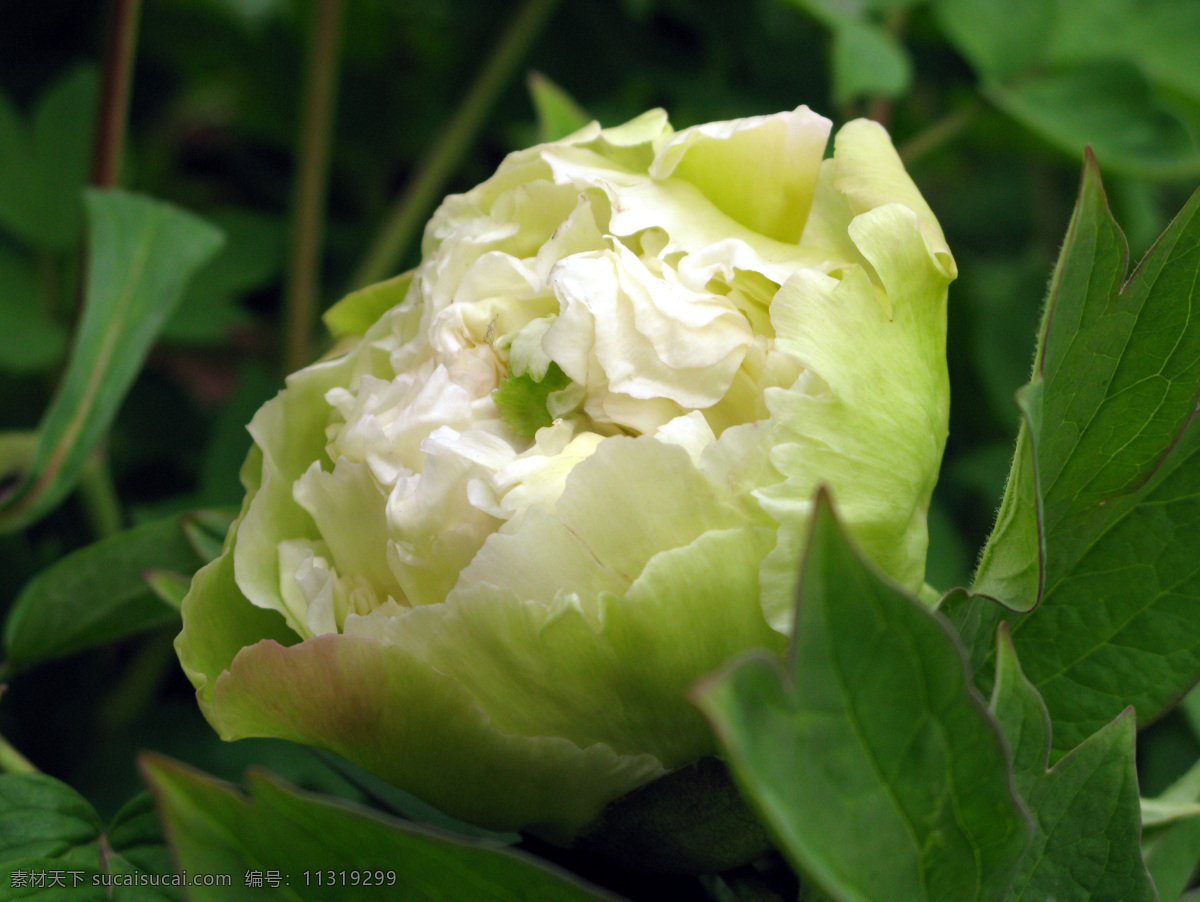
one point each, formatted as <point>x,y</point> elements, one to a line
<point>97,491</point>
<point>114,95</point>
<point>12,761</point>
<point>938,133</point>
<point>444,157</point>
<point>311,185</point>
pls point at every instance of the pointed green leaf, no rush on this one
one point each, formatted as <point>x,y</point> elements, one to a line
<point>214,829</point>
<point>1116,440</point>
<point>41,817</point>
<point>1013,563</point>
<point>1088,841</point>
<point>97,594</point>
<point>141,254</point>
<point>52,846</point>
<point>558,114</point>
<point>1022,717</point>
<point>1087,829</point>
<point>870,757</point>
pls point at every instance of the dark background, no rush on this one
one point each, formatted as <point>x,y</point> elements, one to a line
<point>213,123</point>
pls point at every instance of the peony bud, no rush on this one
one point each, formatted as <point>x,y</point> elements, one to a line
<point>565,467</point>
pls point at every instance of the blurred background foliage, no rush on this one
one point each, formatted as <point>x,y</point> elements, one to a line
<point>990,102</point>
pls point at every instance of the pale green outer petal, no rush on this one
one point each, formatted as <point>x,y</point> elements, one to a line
<point>528,707</point>
<point>218,622</point>
<point>829,219</point>
<point>600,668</point>
<point>870,174</point>
<point>649,127</point>
<point>399,718</point>
<point>289,431</point>
<point>643,579</point>
<point>760,171</point>
<point>872,419</point>
<point>688,219</point>
<point>629,500</point>
<point>347,505</point>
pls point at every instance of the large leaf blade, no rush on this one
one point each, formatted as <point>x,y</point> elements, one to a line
<point>52,846</point>
<point>1117,448</point>
<point>98,593</point>
<point>1087,829</point>
<point>871,758</point>
<point>142,252</point>
<point>41,817</point>
<point>1109,106</point>
<point>300,837</point>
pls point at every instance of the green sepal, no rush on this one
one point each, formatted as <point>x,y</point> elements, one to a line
<point>522,400</point>
<point>355,313</point>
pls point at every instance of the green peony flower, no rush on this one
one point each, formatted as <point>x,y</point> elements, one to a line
<point>564,468</point>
